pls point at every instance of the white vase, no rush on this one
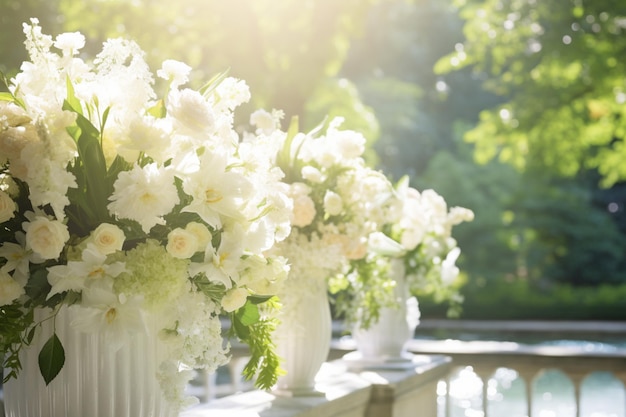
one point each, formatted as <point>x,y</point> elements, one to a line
<point>384,342</point>
<point>94,382</point>
<point>303,339</point>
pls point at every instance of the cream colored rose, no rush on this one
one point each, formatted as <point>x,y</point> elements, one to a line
<point>108,238</point>
<point>234,299</point>
<point>333,204</point>
<point>46,237</point>
<point>10,290</point>
<point>181,243</point>
<point>201,232</point>
<point>7,207</point>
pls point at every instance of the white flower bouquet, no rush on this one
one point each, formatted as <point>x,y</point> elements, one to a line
<point>125,205</point>
<point>337,199</point>
<point>418,232</point>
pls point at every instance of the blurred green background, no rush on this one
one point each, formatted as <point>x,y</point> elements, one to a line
<point>515,109</point>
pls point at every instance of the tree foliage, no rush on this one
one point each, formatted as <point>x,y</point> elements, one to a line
<point>559,67</point>
<point>282,49</point>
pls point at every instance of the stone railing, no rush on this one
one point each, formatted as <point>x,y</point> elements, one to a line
<point>529,362</point>
<point>484,358</point>
<point>343,392</point>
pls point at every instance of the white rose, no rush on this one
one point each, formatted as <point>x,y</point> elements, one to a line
<point>46,237</point>
<point>333,204</point>
<point>108,238</point>
<point>10,290</point>
<point>7,207</point>
<point>201,232</point>
<point>234,299</point>
<point>181,243</point>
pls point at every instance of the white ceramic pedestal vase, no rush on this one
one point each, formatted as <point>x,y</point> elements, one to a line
<point>383,344</point>
<point>94,382</point>
<point>303,338</point>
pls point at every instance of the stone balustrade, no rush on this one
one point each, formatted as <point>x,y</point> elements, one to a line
<point>346,390</point>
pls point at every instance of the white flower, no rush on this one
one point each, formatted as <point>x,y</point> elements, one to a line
<point>312,174</point>
<point>17,260</point>
<point>350,144</point>
<point>144,195</point>
<point>77,275</point>
<point>107,238</point>
<point>115,316</point>
<point>303,211</point>
<point>201,232</point>
<point>7,207</point>
<point>449,271</point>
<point>190,112</point>
<point>181,243</point>
<point>10,290</point>
<point>176,72</point>
<point>234,299</point>
<point>216,191</point>
<point>458,215</point>
<point>333,204</point>
<point>266,122</point>
<point>231,93</point>
<point>382,244</point>
<point>264,276</point>
<point>46,237</point>
<point>70,43</point>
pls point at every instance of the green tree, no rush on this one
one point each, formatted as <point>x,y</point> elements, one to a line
<point>14,13</point>
<point>559,67</point>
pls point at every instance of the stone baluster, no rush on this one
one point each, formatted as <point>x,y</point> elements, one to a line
<point>577,379</point>
<point>528,375</point>
<point>485,373</point>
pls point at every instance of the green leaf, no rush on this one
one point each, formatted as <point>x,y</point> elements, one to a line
<point>6,96</point>
<point>158,110</point>
<point>258,299</point>
<point>72,102</point>
<point>30,335</point>
<point>212,84</point>
<point>248,314</point>
<point>241,330</point>
<point>283,159</point>
<point>51,358</point>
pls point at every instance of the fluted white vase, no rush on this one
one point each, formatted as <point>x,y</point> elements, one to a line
<point>385,342</point>
<point>303,339</point>
<point>94,382</point>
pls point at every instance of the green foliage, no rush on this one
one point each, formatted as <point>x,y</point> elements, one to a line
<point>521,300</point>
<point>14,321</point>
<point>558,66</point>
<point>256,329</point>
<point>359,294</point>
<point>14,13</point>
